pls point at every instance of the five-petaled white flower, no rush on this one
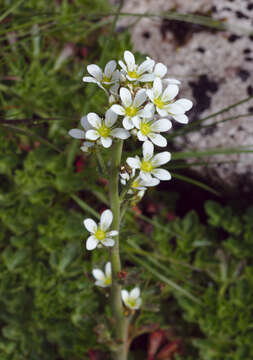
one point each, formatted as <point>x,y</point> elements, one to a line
<point>80,134</point>
<point>163,99</point>
<point>103,279</point>
<point>138,185</point>
<point>131,299</point>
<point>149,164</point>
<point>135,72</point>
<point>100,234</point>
<point>110,76</point>
<point>149,129</point>
<point>102,129</point>
<point>132,108</point>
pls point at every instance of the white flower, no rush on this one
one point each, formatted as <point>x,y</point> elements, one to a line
<point>138,185</point>
<point>183,105</point>
<point>132,108</point>
<point>150,129</point>
<point>131,299</point>
<point>80,134</point>
<point>160,71</point>
<point>102,129</point>
<point>149,164</point>
<point>135,72</point>
<point>100,234</point>
<point>162,99</point>
<point>103,279</point>
<point>109,76</point>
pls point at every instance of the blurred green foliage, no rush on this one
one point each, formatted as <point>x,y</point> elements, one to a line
<point>196,278</point>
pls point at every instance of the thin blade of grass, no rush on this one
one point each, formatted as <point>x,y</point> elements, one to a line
<point>29,133</point>
<point>211,152</point>
<point>196,124</point>
<point>164,279</point>
<point>196,183</point>
<point>83,205</point>
<point>10,10</point>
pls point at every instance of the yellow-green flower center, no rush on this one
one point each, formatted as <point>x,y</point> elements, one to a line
<point>108,281</point>
<point>159,103</point>
<point>131,302</point>
<point>100,234</point>
<point>131,111</point>
<point>145,128</point>
<point>133,74</point>
<point>146,166</point>
<point>106,79</point>
<point>135,184</point>
<point>104,131</point>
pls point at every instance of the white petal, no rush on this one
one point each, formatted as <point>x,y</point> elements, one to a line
<point>162,112</point>
<point>136,121</point>
<point>77,134</point>
<point>109,68</point>
<point>148,150</point>
<point>170,92</point>
<point>141,137</point>
<point>118,109</point>
<point>90,80</point>
<point>158,139</point>
<point>91,243</point>
<point>148,111</point>
<point>130,60</point>
<point>173,81</point>
<point>150,94</point>
<point>126,97</point>
<point>120,133</point>
<point>112,233</point>
<point>108,269</point>
<point>140,97</point>
<point>98,274</point>
<point>108,242</point>
<point>138,303</point>
<point>124,295</point>
<point>161,174</point>
<point>133,162</point>
<point>86,145</point>
<point>122,65</point>
<point>147,65</point>
<point>106,141</point>
<point>106,219</point>
<point>160,70</point>
<point>182,118</point>
<point>92,135</point>
<point>95,71</point>
<point>145,176</point>
<point>185,103</point>
<point>152,182</point>
<point>157,87</point>
<point>127,123</point>
<point>146,77</point>
<point>175,109</point>
<point>110,118</point>
<point>101,283</point>
<point>161,125</point>
<point>161,158</point>
<point>94,120</point>
<point>85,123</point>
<point>90,225</point>
<point>135,293</point>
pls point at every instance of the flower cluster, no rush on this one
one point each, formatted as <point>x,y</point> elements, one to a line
<point>141,104</point>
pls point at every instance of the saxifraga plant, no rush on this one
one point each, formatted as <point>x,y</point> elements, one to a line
<point>140,101</point>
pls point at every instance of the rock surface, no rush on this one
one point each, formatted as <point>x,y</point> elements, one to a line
<point>216,70</point>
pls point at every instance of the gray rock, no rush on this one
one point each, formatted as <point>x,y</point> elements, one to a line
<point>216,70</point>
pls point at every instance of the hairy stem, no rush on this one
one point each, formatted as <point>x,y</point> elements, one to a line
<point>121,325</point>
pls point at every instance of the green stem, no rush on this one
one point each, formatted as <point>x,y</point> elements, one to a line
<point>121,325</point>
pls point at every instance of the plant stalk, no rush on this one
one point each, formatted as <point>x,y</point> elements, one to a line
<point>120,321</point>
